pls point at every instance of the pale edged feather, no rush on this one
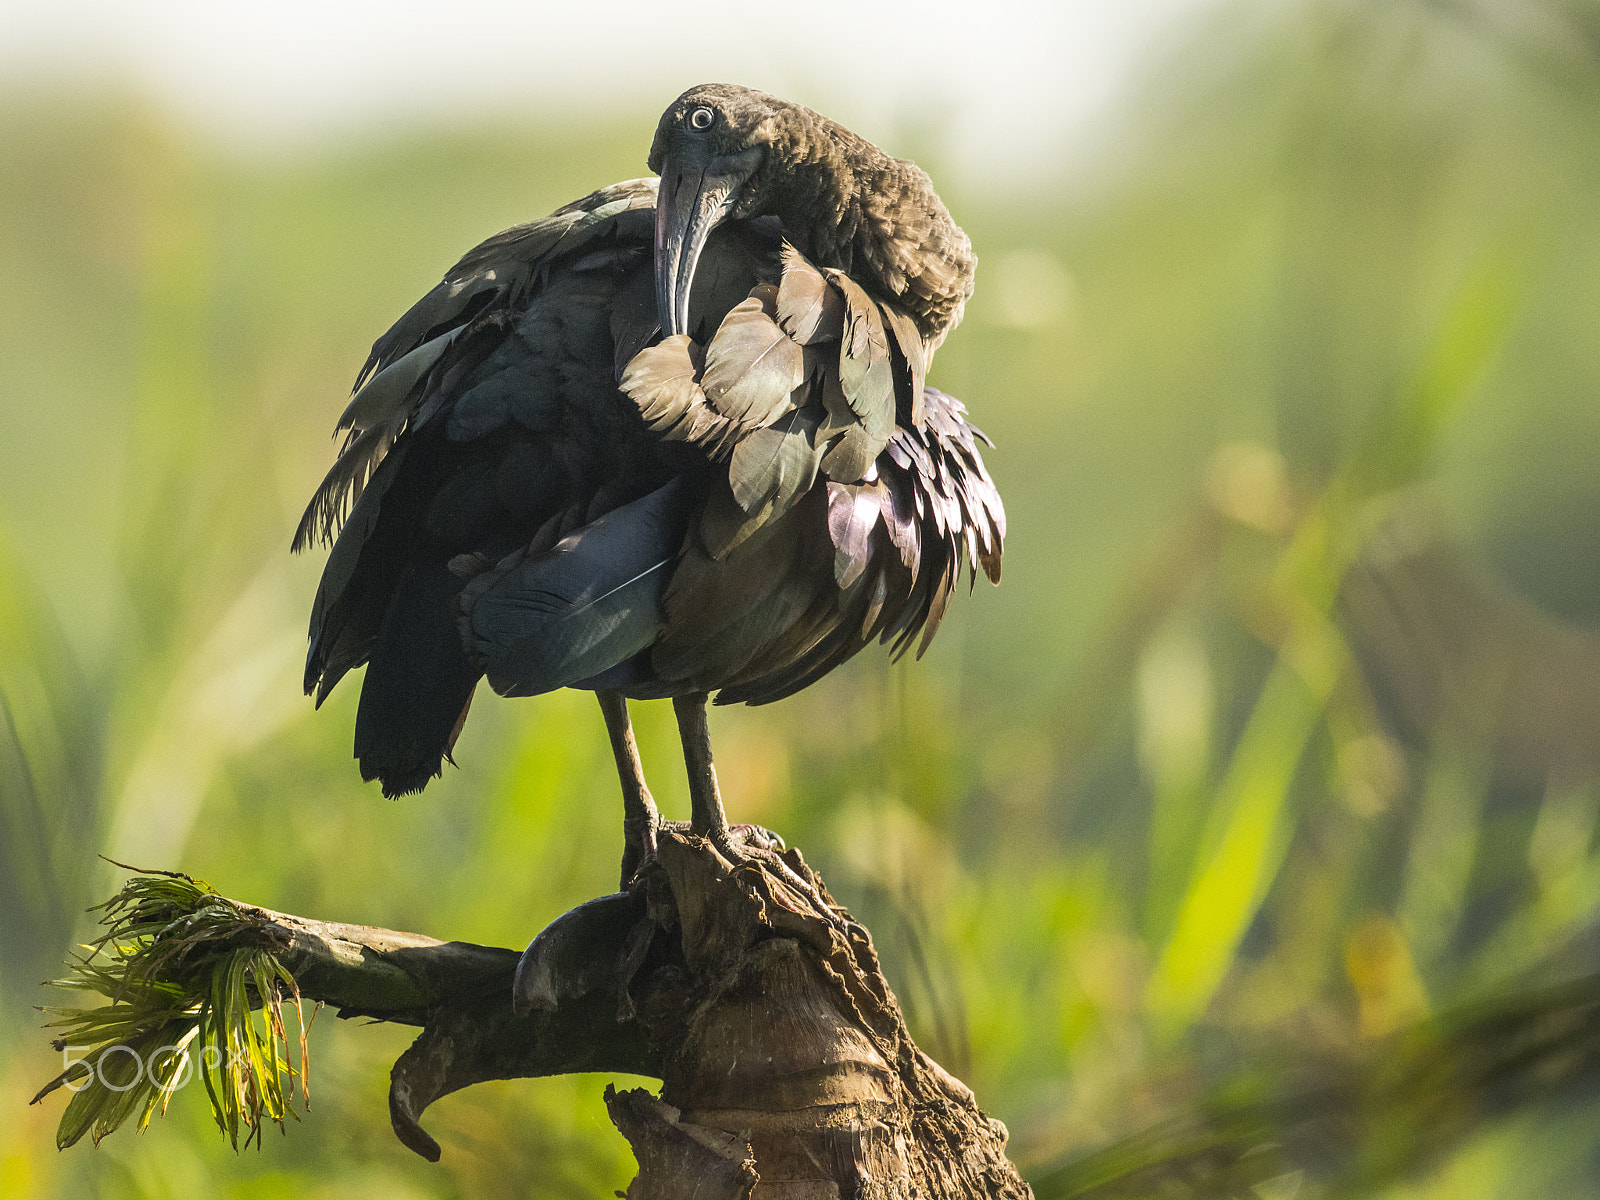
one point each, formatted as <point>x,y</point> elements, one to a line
<point>852,455</point>
<point>909,342</point>
<point>853,512</point>
<point>866,373</point>
<point>384,400</point>
<point>445,306</point>
<point>877,598</point>
<point>851,449</point>
<point>939,598</point>
<point>809,309</point>
<point>663,381</point>
<point>724,526</point>
<point>771,467</point>
<point>342,486</point>
<point>899,518</point>
<point>751,365</point>
<point>839,415</point>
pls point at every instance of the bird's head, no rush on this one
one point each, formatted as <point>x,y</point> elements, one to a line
<point>713,150</point>
<point>727,152</point>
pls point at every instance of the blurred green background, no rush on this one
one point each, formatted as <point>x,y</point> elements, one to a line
<point>1282,733</point>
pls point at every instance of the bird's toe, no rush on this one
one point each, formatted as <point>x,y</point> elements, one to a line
<point>758,837</point>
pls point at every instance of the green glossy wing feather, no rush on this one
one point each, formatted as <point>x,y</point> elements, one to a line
<point>542,621</point>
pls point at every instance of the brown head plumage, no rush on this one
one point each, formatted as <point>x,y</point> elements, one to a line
<point>730,152</point>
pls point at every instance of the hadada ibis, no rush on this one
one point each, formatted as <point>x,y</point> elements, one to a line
<point>674,439</point>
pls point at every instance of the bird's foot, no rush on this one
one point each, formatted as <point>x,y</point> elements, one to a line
<point>737,845</point>
<point>740,843</point>
<point>639,847</point>
<point>753,845</point>
<point>756,837</point>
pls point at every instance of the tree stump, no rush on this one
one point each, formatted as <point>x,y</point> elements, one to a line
<point>785,1063</point>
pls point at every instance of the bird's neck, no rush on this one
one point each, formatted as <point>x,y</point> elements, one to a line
<point>846,204</point>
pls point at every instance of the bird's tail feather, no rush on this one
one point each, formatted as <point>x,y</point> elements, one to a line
<point>419,684</point>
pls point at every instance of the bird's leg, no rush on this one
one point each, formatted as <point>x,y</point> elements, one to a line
<point>706,817</point>
<point>640,819</point>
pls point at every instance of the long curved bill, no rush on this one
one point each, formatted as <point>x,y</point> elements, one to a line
<point>695,195</point>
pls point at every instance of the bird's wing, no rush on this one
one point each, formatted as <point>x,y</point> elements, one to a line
<point>466,363</point>
<point>800,378</point>
<point>537,622</point>
<point>409,361</point>
<point>896,546</point>
<point>852,490</point>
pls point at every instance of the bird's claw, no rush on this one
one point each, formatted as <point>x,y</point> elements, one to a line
<point>759,837</point>
<point>639,848</point>
<point>736,846</point>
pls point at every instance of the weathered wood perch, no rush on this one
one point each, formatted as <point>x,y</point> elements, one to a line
<point>757,1002</point>
<point>760,1006</point>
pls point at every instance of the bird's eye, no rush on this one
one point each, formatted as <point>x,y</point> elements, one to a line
<point>701,119</point>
